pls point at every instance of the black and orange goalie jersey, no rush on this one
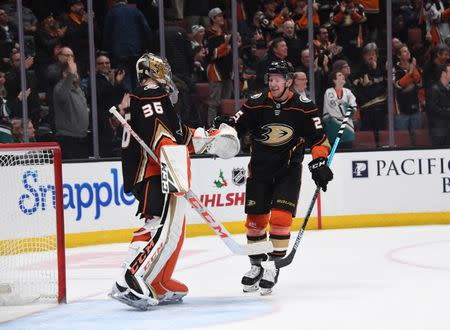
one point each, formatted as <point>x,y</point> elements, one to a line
<point>278,132</point>
<point>152,116</point>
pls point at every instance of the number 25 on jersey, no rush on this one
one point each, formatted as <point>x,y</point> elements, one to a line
<point>150,108</point>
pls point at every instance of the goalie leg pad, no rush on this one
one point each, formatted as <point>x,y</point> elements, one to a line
<point>175,169</point>
<point>148,254</point>
<point>168,289</point>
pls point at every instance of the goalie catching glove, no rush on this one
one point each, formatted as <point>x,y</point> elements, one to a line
<point>321,173</point>
<point>222,142</point>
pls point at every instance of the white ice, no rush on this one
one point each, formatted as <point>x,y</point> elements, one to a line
<point>394,278</point>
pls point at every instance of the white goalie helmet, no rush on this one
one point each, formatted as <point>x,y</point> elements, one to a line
<point>151,66</point>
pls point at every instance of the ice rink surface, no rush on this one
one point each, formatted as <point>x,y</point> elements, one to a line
<point>395,278</point>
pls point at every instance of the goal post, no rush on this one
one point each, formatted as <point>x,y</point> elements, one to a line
<point>32,252</point>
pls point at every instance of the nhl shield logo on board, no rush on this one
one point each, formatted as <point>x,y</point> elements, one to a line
<point>238,176</point>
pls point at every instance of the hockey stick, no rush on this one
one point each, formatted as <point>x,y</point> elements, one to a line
<point>280,263</point>
<point>191,197</point>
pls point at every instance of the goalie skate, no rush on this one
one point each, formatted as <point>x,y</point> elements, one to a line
<point>132,298</point>
<point>268,281</point>
<point>251,279</point>
<point>171,292</point>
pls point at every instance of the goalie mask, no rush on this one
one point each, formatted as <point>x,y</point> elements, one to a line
<point>150,66</point>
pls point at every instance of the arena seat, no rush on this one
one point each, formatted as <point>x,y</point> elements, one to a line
<point>364,140</point>
<point>422,138</point>
<point>228,108</point>
<point>401,139</point>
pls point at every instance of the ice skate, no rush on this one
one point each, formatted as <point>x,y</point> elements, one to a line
<point>171,291</point>
<point>251,279</point>
<point>268,280</point>
<point>132,298</point>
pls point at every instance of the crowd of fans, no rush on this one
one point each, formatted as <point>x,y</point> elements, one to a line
<point>349,61</point>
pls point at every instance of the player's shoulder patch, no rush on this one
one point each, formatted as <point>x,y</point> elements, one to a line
<point>256,96</point>
<point>303,99</point>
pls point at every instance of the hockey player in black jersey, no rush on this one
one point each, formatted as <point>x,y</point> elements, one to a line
<point>146,279</point>
<point>281,123</point>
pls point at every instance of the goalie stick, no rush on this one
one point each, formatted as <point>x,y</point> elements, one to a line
<point>283,262</point>
<point>191,197</point>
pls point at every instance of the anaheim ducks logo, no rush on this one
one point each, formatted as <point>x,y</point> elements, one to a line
<point>276,134</point>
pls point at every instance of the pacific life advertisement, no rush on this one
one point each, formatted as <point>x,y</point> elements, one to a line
<point>369,189</point>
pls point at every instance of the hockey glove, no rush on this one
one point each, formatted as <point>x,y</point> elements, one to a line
<point>321,173</point>
<point>223,120</point>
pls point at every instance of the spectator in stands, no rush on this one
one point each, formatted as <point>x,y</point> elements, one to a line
<point>180,57</point>
<point>438,108</point>
<point>277,51</point>
<point>283,16</point>
<point>337,100</point>
<point>196,12</point>
<point>13,87</point>
<point>48,42</point>
<point>347,18</point>
<point>300,16</point>
<point>18,131</point>
<point>324,47</point>
<point>253,33</point>
<point>439,55</point>
<point>8,40</point>
<point>408,81</point>
<point>220,66</point>
<point>437,19</point>
<point>3,91</point>
<point>293,43</point>
<point>199,72</point>
<point>29,21</point>
<point>300,84</point>
<point>71,113</point>
<point>126,36</point>
<point>370,85</point>
<point>343,67</point>
<point>320,73</point>
<point>5,113</point>
<point>77,36</point>
<point>110,91</point>
<point>396,45</point>
<point>198,36</point>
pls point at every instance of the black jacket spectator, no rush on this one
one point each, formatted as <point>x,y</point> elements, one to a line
<point>77,36</point>
<point>108,94</point>
<point>8,38</point>
<point>438,108</point>
<point>347,18</point>
<point>126,36</point>
<point>48,42</point>
<point>278,51</point>
<point>13,88</point>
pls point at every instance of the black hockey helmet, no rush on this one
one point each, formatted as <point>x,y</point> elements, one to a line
<point>280,67</point>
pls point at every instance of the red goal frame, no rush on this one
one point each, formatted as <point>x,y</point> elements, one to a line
<point>57,166</point>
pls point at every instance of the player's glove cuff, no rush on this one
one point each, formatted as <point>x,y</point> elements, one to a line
<point>223,120</point>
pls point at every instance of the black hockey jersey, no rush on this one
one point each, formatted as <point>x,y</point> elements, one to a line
<point>152,116</point>
<point>279,131</point>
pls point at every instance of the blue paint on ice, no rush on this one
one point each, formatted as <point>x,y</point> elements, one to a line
<point>109,314</point>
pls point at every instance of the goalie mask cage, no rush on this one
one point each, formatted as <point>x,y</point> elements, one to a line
<point>32,258</point>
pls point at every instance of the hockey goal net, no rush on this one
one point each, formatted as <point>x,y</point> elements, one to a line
<point>32,258</point>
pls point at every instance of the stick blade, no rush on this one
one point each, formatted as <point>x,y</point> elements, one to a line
<point>255,248</point>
